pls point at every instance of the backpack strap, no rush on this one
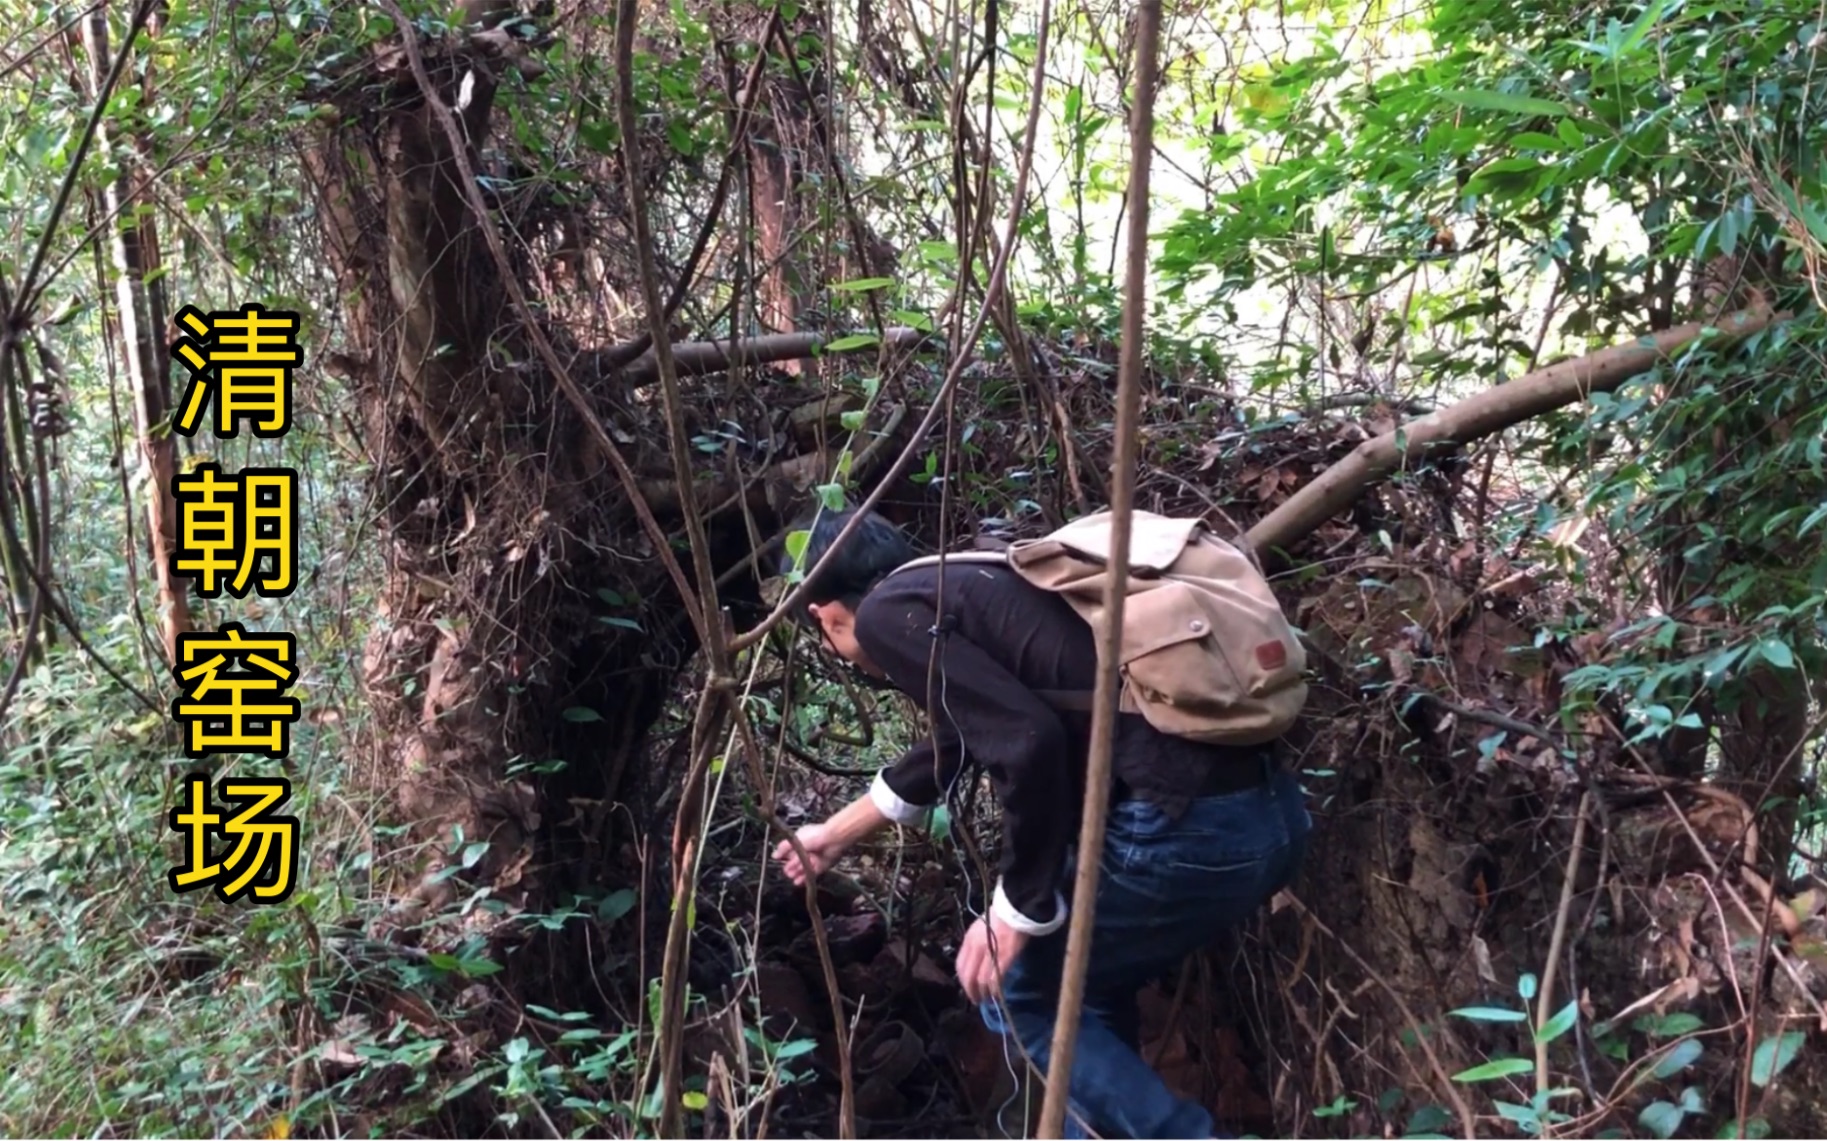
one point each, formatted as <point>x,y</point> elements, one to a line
<point>1062,700</point>
<point>993,558</point>
<point>1084,700</point>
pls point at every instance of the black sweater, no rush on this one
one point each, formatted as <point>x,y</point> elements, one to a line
<point>1004,639</point>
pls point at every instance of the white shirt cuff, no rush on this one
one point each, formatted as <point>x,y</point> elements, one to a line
<point>890,804</point>
<point>1002,909</point>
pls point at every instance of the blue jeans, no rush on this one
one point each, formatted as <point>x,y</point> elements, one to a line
<point>1166,888</point>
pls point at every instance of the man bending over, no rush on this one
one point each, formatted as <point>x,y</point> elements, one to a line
<point>1199,835</point>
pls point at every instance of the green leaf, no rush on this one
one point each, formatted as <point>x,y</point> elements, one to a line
<point>1669,1025</point>
<point>1536,141</point>
<point>862,285</point>
<point>1429,1119</point>
<point>581,1034</point>
<point>939,251</point>
<point>1755,1129</point>
<point>1490,1014</point>
<point>1500,1068</point>
<point>1728,233</point>
<point>1678,1057</point>
<point>1504,101</point>
<point>476,968</point>
<point>473,852</point>
<point>1525,986</point>
<point>794,1049</point>
<point>581,713</point>
<point>694,1100</point>
<point>1340,1106</point>
<point>624,623</point>
<point>832,496</point>
<point>1563,1021</point>
<point>1778,654</point>
<point>1773,1056</point>
<point>1662,1118</point>
<point>939,825</point>
<point>1815,516</point>
<point>1651,13</point>
<point>853,420</point>
<point>1523,1115</point>
<point>853,341</point>
<point>796,545</point>
<point>615,905</point>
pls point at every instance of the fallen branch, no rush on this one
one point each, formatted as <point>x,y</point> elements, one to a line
<point>1489,412</point>
<point>622,354</point>
<point>1489,717</point>
<point>695,358</point>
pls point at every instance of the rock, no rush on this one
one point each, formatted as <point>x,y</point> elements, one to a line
<point>878,1098</point>
<point>872,985</point>
<point>977,1055</point>
<point>851,938</point>
<point>786,1001</point>
<point>933,984</point>
<point>855,938</point>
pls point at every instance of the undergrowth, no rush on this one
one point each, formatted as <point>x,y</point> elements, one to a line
<point>126,1009</point>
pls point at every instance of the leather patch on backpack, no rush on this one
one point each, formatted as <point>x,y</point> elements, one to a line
<point>1271,655</point>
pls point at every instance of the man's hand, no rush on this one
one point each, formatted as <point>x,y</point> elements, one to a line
<point>989,949</point>
<point>823,844</point>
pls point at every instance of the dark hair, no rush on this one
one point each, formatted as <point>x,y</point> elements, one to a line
<point>874,549</point>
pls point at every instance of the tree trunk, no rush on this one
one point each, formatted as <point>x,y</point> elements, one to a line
<point>479,641</point>
<point>133,252</point>
<point>523,619</point>
<point>774,190</point>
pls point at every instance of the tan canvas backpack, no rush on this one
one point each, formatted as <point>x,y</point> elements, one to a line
<point>1207,652</point>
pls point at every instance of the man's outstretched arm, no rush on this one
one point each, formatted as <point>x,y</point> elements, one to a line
<point>827,842</point>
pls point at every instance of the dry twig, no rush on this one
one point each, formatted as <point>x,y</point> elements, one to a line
<point>1544,1007</point>
<point>1122,505</point>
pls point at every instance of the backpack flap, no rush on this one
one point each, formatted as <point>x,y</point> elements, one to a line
<point>1155,542</point>
<point>1190,656</point>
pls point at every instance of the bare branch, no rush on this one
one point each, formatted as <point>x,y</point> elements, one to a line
<point>1489,412</point>
<point>695,358</point>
